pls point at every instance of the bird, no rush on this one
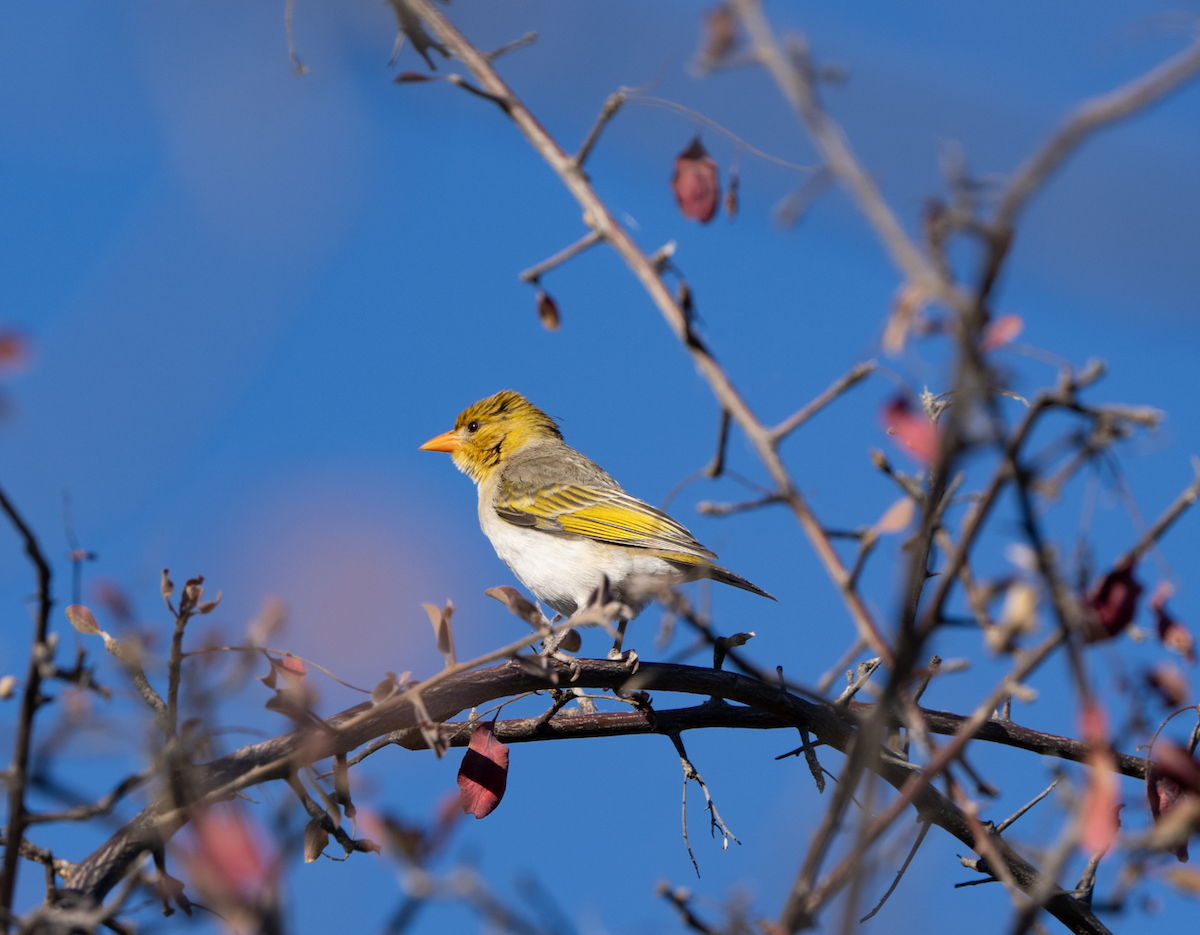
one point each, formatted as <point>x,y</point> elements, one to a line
<point>559,521</point>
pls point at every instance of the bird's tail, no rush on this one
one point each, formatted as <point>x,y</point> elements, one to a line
<point>725,576</point>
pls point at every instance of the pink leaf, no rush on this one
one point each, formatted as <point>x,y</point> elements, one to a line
<point>1001,332</point>
<point>1101,808</point>
<point>697,183</point>
<point>915,434</point>
<point>483,775</point>
<point>230,863</point>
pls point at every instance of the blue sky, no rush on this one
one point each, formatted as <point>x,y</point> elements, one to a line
<point>251,295</point>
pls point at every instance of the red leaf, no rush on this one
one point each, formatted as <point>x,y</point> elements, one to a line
<point>1163,792</point>
<point>1176,763</point>
<point>1101,800</point>
<point>1174,635</point>
<point>1002,331</point>
<point>697,183</point>
<point>917,436</point>
<point>1112,603</point>
<point>14,350</point>
<point>483,776</point>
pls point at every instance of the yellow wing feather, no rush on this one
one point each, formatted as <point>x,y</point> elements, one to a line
<point>602,514</point>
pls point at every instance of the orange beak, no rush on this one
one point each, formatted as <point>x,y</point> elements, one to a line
<point>447,441</point>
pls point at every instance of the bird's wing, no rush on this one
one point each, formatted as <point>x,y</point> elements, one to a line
<point>600,513</point>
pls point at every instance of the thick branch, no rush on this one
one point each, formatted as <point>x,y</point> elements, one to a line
<point>100,871</point>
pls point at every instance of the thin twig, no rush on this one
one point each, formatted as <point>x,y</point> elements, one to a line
<point>709,122</point>
<point>1003,826</point>
<point>534,273</point>
<point>528,39</point>
<point>925,826</point>
<point>31,700</point>
<point>857,374</point>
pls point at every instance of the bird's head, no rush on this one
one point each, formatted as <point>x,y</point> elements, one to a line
<point>491,430</point>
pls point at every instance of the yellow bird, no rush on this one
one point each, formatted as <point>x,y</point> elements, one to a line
<point>559,521</point>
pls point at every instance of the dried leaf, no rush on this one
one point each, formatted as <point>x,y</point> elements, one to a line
<point>1111,604</point>
<point>896,518</point>
<point>440,618</point>
<point>1162,794</point>
<point>315,840</point>
<point>483,775</point>
<point>547,310</point>
<point>341,785</point>
<point>718,37</point>
<point>1169,684</point>
<point>385,689</point>
<point>731,196</point>
<point>1186,881</point>
<point>82,620</point>
<point>209,606</point>
<point>917,436</point>
<point>7,685</point>
<point>412,77</point>
<point>270,620</point>
<point>571,642</point>
<point>193,590</point>
<point>1173,634</point>
<point>697,183</point>
<point>907,304</point>
<point>1018,616</point>
<point>1002,331</point>
<point>167,586</point>
<point>518,605</point>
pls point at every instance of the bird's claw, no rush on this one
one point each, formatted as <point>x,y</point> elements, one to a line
<point>629,658</point>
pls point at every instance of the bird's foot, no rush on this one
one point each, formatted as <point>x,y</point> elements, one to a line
<point>629,658</point>
<point>565,658</point>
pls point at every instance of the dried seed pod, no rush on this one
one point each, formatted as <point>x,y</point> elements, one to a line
<point>547,310</point>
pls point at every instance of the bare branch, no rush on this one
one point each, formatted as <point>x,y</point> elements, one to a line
<point>925,826</point>
<point>1089,117</point>
<point>856,375</point>
<point>534,273</point>
<point>31,699</point>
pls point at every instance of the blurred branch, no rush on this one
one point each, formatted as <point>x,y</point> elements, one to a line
<point>40,654</point>
<point>794,75</point>
<point>1088,118</point>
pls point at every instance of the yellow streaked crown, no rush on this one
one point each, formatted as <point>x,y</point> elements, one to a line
<point>497,427</point>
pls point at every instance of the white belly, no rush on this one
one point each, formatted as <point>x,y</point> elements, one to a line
<point>562,572</point>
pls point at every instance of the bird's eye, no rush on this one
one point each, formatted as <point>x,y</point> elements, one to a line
<point>473,426</point>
